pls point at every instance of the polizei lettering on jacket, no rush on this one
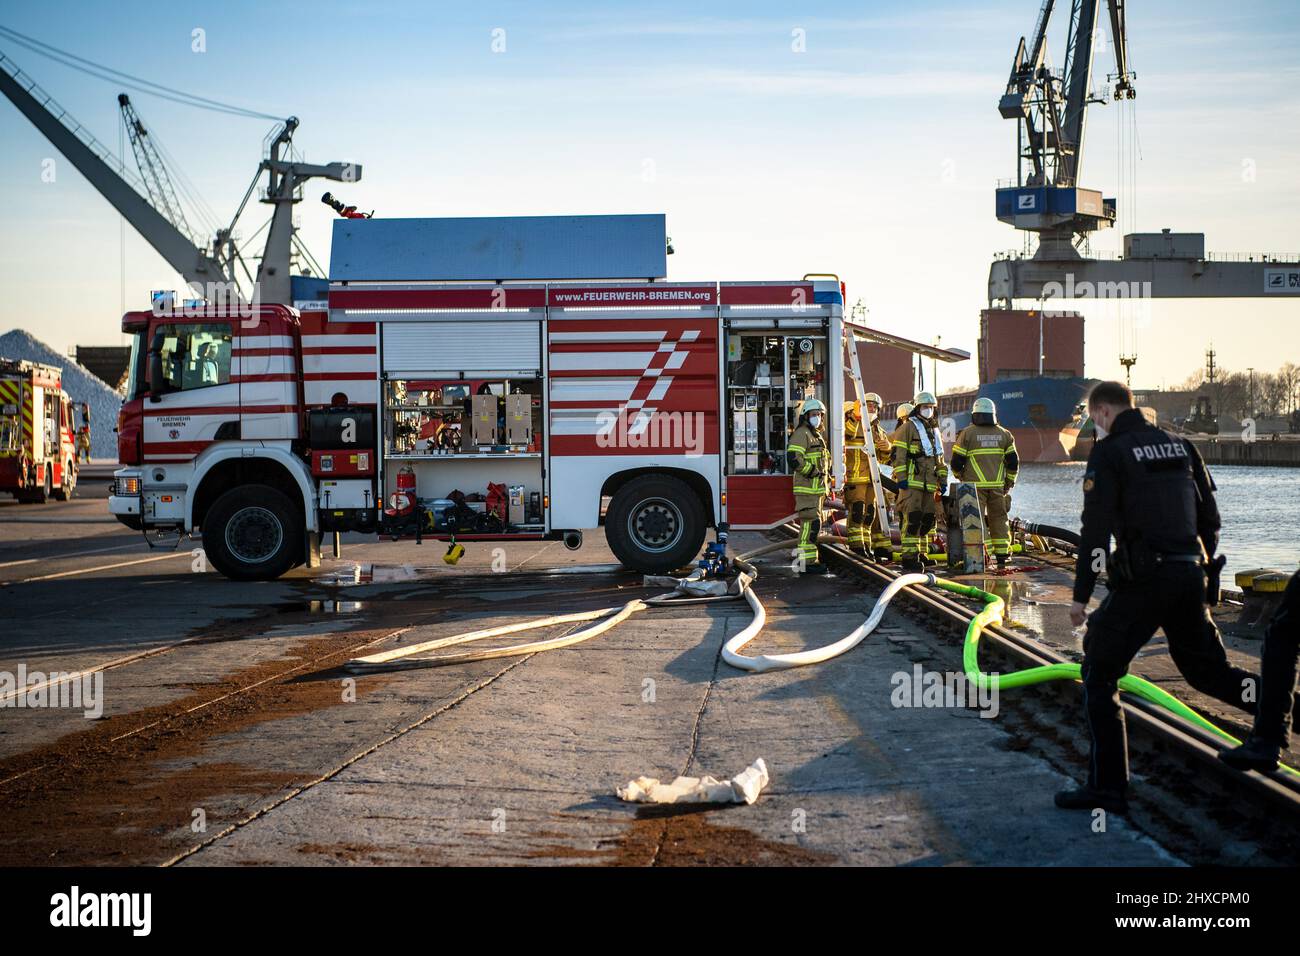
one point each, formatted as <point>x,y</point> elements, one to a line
<point>1159,452</point>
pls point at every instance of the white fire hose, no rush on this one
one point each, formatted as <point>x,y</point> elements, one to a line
<point>404,658</point>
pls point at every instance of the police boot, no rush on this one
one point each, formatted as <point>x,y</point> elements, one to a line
<point>1089,798</point>
<point>1254,754</point>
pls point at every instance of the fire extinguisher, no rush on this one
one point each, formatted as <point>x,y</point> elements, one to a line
<point>402,501</point>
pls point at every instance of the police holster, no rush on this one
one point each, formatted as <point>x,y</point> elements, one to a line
<point>1130,563</point>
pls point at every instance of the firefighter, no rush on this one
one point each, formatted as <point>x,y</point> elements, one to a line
<point>1151,492</point>
<point>808,461</point>
<point>859,493</point>
<point>922,478</point>
<point>83,434</point>
<point>990,453</point>
<point>896,496</point>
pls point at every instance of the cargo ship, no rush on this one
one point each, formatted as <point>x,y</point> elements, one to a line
<point>1031,366</point>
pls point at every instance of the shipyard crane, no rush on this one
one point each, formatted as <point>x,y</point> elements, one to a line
<point>149,203</point>
<point>1050,109</point>
<point>1046,200</point>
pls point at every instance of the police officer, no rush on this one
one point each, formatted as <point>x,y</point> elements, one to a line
<point>1152,493</point>
<point>859,491</point>
<point>1272,731</point>
<point>989,451</point>
<point>922,477</point>
<point>809,464</point>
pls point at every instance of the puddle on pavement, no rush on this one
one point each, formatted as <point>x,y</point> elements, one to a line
<point>585,569</point>
<point>1037,605</point>
<point>320,607</point>
<point>355,573</point>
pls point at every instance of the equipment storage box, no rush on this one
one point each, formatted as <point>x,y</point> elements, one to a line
<point>342,426</point>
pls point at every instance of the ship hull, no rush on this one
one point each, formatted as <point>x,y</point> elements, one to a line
<point>1037,412</point>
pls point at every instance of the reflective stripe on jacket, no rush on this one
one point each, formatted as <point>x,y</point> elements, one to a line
<point>990,452</point>
<point>856,466</point>
<point>921,471</point>
<point>808,447</point>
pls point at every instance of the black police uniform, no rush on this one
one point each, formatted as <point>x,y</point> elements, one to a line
<point>1151,491</point>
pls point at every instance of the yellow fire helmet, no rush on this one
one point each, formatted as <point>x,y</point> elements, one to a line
<point>904,409</point>
<point>851,410</point>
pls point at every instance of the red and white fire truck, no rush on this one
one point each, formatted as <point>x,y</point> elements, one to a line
<point>476,411</point>
<point>38,458</point>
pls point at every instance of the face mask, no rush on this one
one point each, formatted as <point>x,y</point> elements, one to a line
<point>927,413</point>
<point>815,421</point>
<point>871,416</point>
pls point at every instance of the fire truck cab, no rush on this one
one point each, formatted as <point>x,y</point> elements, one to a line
<point>410,405</point>
<point>38,458</point>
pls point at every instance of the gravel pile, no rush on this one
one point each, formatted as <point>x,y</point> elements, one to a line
<point>80,384</point>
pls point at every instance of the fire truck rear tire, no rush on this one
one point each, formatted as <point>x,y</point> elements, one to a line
<point>46,491</point>
<point>655,524</point>
<point>253,533</point>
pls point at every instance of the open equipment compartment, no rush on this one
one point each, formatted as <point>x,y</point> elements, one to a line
<point>462,373</point>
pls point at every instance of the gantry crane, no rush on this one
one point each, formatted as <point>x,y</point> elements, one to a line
<point>1045,199</point>
<point>149,203</point>
<point>1050,109</point>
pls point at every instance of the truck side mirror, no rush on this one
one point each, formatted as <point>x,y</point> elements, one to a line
<point>155,378</point>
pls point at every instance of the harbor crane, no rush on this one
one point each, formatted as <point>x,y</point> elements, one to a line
<point>150,203</point>
<point>1046,199</point>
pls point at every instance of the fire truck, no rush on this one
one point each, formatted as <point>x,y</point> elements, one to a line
<point>482,410</point>
<point>38,458</point>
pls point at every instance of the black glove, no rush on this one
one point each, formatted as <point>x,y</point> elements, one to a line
<point>1213,571</point>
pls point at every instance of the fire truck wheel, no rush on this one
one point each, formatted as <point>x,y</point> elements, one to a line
<point>68,485</point>
<point>46,491</point>
<point>253,533</point>
<point>655,524</point>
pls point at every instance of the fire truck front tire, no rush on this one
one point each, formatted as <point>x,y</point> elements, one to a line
<point>68,485</point>
<point>655,524</point>
<point>253,533</point>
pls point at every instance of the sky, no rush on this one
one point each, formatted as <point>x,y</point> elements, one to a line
<point>778,138</point>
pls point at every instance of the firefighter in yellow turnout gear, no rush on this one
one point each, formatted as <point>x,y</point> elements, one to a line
<point>922,477</point>
<point>859,492</point>
<point>810,465</point>
<point>985,455</point>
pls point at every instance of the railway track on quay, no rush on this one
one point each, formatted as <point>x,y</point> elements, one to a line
<point>1183,795</point>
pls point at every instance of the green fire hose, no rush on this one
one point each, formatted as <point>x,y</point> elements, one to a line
<point>992,614</point>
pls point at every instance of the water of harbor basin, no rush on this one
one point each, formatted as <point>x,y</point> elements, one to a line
<point>1260,508</point>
